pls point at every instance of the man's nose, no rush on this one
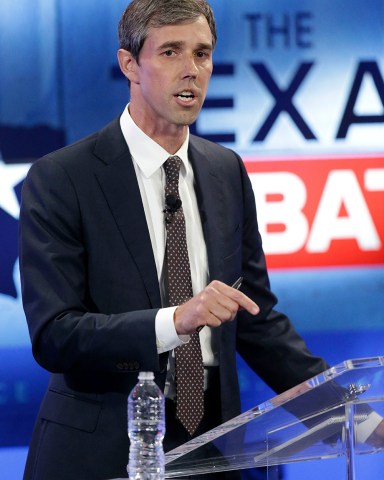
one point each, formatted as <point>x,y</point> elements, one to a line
<point>190,66</point>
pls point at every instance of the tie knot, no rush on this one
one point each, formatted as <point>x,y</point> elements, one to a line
<point>172,168</point>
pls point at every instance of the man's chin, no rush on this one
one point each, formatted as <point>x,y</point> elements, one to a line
<point>187,114</point>
<point>186,120</point>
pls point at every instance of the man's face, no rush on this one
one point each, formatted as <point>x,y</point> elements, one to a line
<point>170,79</point>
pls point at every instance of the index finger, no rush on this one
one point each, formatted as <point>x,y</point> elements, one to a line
<point>239,297</point>
<point>244,302</point>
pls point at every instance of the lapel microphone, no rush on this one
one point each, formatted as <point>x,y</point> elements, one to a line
<point>172,203</point>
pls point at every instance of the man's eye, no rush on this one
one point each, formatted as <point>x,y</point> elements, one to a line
<point>169,53</point>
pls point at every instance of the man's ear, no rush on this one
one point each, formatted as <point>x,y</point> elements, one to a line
<point>128,65</point>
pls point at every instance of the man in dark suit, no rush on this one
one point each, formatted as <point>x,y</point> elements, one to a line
<point>92,255</point>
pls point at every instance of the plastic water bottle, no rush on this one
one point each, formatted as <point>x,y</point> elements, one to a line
<point>146,429</point>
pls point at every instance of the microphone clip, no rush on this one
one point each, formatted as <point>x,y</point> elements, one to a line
<point>172,205</point>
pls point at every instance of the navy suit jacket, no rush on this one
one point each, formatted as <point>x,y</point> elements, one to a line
<point>91,294</point>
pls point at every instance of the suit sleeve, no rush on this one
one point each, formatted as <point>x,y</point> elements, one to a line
<point>268,342</point>
<point>68,330</point>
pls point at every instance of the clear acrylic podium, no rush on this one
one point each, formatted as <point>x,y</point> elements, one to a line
<point>331,415</point>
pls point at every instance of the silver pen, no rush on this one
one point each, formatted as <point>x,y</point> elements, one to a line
<point>235,285</point>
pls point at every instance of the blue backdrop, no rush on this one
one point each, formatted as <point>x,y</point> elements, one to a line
<point>298,81</point>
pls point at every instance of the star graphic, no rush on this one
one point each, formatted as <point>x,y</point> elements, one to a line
<point>10,176</point>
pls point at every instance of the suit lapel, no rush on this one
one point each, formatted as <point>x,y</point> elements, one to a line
<point>209,190</point>
<point>117,179</point>
<point>209,197</point>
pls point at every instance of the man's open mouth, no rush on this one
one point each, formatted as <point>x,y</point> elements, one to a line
<point>185,96</point>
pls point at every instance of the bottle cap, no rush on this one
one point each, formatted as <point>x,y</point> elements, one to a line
<point>146,376</point>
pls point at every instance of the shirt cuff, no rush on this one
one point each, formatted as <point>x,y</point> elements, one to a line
<point>166,335</point>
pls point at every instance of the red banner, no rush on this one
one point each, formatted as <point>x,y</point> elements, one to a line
<point>320,212</point>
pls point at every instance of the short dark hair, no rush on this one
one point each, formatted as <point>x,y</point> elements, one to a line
<point>140,15</point>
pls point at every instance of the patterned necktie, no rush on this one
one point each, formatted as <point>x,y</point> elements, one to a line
<point>189,368</point>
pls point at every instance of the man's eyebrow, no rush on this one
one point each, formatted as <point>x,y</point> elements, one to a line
<point>171,44</point>
<point>204,46</point>
<point>178,44</point>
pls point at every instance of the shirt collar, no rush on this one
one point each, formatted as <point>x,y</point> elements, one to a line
<point>148,155</point>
